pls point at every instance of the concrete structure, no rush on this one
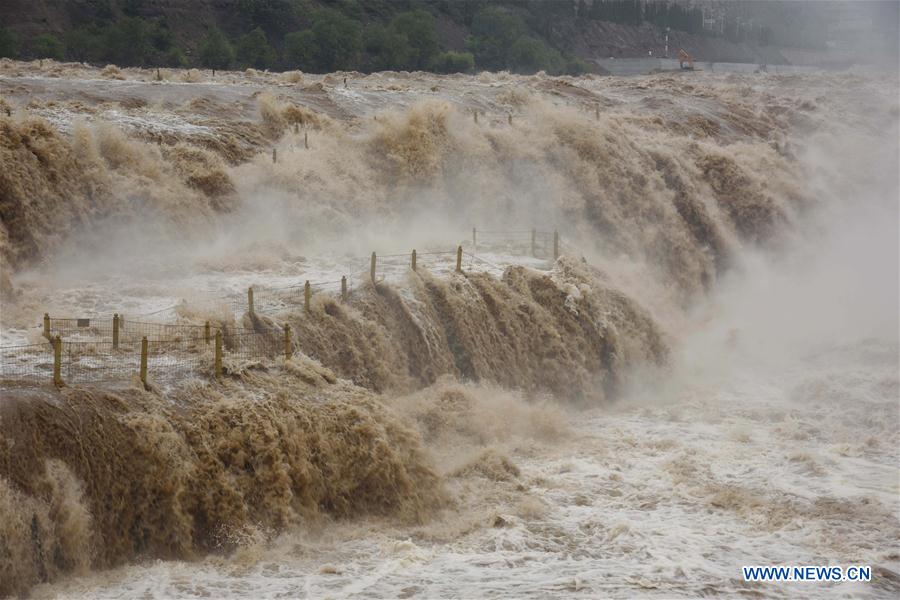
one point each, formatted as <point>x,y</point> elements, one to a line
<point>645,66</point>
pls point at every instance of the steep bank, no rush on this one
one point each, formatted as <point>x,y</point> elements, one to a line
<point>768,32</point>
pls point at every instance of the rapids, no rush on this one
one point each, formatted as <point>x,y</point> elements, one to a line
<point>706,378</point>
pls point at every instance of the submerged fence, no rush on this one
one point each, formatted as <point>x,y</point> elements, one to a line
<point>61,361</point>
<point>119,329</point>
<point>108,349</point>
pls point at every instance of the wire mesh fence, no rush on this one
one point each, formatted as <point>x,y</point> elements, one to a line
<point>85,328</point>
<point>111,348</point>
<point>253,346</point>
<point>85,362</point>
<point>268,300</point>
<point>31,363</point>
<point>169,360</point>
<point>94,330</point>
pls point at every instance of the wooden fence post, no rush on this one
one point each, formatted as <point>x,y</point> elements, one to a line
<point>413,260</point>
<point>250,299</point>
<point>116,331</point>
<point>57,361</point>
<point>274,155</point>
<point>307,295</point>
<point>306,140</point>
<point>287,341</point>
<point>344,288</point>
<point>533,244</point>
<point>47,325</point>
<point>509,118</point>
<point>144,361</point>
<point>206,332</point>
<point>459,259</point>
<point>372,269</point>
<point>597,112</point>
<point>218,363</point>
<point>474,239</point>
<point>476,116</point>
<point>555,244</point>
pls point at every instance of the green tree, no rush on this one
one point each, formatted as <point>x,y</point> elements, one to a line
<point>271,15</point>
<point>85,44</point>
<point>174,57</point>
<point>300,50</point>
<point>334,42</point>
<point>339,39</point>
<point>576,66</point>
<point>461,11</point>
<point>161,37</point>
<point>419,29</point>
<point>494,31</point>
<point>529,55</point>
<point>351,8</point>
<point>9,43</point>
<point>453,62</point>
<point>48,46</point>
<point>253,50</point>
<point>127,42</point>
<point>215,50</point>
<point>388,49</point>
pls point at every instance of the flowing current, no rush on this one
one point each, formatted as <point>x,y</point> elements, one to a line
<point>707,378</point>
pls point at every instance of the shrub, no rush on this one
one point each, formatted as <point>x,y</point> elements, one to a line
<point>333,43</point>
<point>300,50</point>
<point>9,43</point>
<point>529,55</point>
<point>419,30</point>
<point>49,46</point>
<point>388,49</point>
<point>271,15</point>
<point>494,31</point>
<point>127,42</point>
<point>576,66</point>
<point>85,44</point>
<point>174,57</point>
<point>453,62</point>
<point>215,50</point>
<point>253,50</point>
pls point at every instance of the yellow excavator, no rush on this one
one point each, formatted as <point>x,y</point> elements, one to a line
<point>685,60</point>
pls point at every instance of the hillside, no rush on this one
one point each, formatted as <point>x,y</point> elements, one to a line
<point>371,35</point>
